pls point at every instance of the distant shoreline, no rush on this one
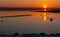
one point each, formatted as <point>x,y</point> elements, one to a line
<point>30,9</point>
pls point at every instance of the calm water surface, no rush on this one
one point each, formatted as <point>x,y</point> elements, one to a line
<point>37,23</point>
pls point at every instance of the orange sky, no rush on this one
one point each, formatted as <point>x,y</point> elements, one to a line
<point>50,4</point>
<point>37,4</point>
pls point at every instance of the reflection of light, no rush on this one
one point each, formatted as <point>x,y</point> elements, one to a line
<point>45,10</point>
<point>44,14</point>
<point>45,17</point>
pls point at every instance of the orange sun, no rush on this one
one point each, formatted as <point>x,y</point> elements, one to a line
<point>45,6</point>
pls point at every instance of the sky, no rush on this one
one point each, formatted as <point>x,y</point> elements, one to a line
<point>29,3</point>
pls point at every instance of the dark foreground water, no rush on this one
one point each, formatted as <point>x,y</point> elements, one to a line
<point>38,22</point>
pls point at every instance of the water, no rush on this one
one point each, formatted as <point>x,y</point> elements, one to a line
<point>46,22</point>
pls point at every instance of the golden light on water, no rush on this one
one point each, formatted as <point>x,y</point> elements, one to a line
<point>45,16</point>
<point>45,9</point>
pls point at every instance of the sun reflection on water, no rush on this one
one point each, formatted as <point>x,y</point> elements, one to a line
<point>45,16</point>
<point>45,9</point>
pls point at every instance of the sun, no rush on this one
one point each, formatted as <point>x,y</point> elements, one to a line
<point>45,6</point>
